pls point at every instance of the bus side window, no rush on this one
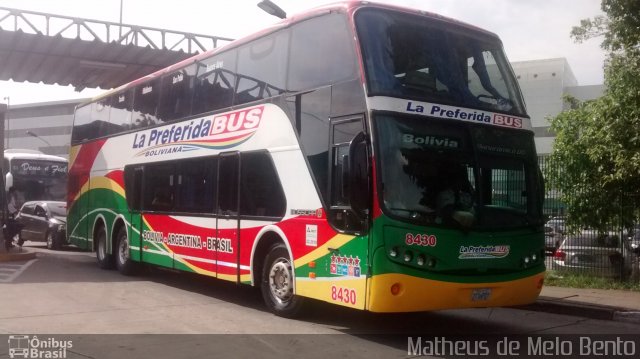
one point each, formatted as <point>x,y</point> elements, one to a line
<point>196,185</point>
<point>120,118</point>
<point>100,112</point>
<point>215,83</point>
<point>175,95</point>
<point>159,187</point>
<point>311,111</point>
<point>133,186</point>
<point>261,193</point>
<point>84,126</point>
<point>262,68</point>
<point>145,103</point>
<point>329,58</point>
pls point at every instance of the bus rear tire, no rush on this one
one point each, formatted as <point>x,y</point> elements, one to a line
<point>277,283</point>
<point>124,263</point>
<point>105,260</point>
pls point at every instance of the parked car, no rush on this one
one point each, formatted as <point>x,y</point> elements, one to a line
<point>591,253</point>
<point>557,223</point>
<point>44,221</point>
<point>552,239</point>
<point>554,231</point>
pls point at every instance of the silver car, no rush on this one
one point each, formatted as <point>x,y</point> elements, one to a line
<point>594,254</point>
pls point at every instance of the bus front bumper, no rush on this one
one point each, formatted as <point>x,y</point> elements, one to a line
<point>395,292</point>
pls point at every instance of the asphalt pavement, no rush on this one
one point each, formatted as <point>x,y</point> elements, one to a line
<point>619,305</point>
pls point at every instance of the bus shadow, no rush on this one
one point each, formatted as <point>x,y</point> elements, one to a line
<point>391,329</point>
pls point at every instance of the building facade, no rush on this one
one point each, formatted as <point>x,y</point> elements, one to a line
<point>544,84</point>
<point>44,126</point>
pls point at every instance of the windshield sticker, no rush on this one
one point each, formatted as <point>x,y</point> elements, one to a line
<point>449,112</point>
<point>483,252</point>
<point>430,141</point>
<point>502,150</point>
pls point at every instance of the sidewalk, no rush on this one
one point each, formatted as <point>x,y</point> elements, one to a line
<point>16,254</point>
<point>604,304</point>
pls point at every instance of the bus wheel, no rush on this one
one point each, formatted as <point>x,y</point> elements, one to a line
<point>124,263</point>
<point>105,260</point>
<point>277,283</point>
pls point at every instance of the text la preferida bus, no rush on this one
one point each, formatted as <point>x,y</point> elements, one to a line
<point>374,157</point>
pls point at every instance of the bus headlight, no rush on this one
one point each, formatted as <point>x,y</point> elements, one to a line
<point>420,260</point>
<point>407,256</point>
<point>393,252</point>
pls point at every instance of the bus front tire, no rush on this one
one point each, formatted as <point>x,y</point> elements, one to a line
<point>105,260</point>
<point>277,283</point>
<point>124,263</point>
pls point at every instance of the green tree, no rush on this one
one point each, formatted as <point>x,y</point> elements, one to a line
<point>595,163</point>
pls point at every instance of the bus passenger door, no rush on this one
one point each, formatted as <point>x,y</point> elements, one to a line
<point>227,212</point>
<point>349,203</point>
<point>133,193</point>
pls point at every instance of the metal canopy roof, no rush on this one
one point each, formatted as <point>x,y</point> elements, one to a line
<point>52,49</point>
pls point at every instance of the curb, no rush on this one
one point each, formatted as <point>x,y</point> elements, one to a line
<point>627,316</point>
<point>24,255</point>
<point>585,310</point>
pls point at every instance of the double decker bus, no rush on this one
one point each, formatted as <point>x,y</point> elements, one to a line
<point>366,155</point>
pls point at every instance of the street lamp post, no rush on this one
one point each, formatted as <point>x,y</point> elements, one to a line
<point>272,9</point>
<point>38,137</point>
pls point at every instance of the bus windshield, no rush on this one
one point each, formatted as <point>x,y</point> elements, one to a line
<point>432,171</point>
<point>432,60</point>
<point>39,180</point>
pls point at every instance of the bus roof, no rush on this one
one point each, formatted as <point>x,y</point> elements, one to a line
<point>10,154</point>
<point>344,6</point>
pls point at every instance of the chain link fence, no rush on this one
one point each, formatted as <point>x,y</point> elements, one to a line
<point>612,253</point>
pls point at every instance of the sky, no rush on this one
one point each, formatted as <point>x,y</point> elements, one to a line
<point>529,29</point>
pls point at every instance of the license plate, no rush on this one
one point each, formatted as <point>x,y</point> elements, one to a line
<point>480,294</point>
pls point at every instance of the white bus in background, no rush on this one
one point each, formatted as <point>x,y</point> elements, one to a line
<point>34,175</point>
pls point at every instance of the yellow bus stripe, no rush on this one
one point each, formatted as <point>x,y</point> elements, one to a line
<point>100,183</point>
<point>335,242</point>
